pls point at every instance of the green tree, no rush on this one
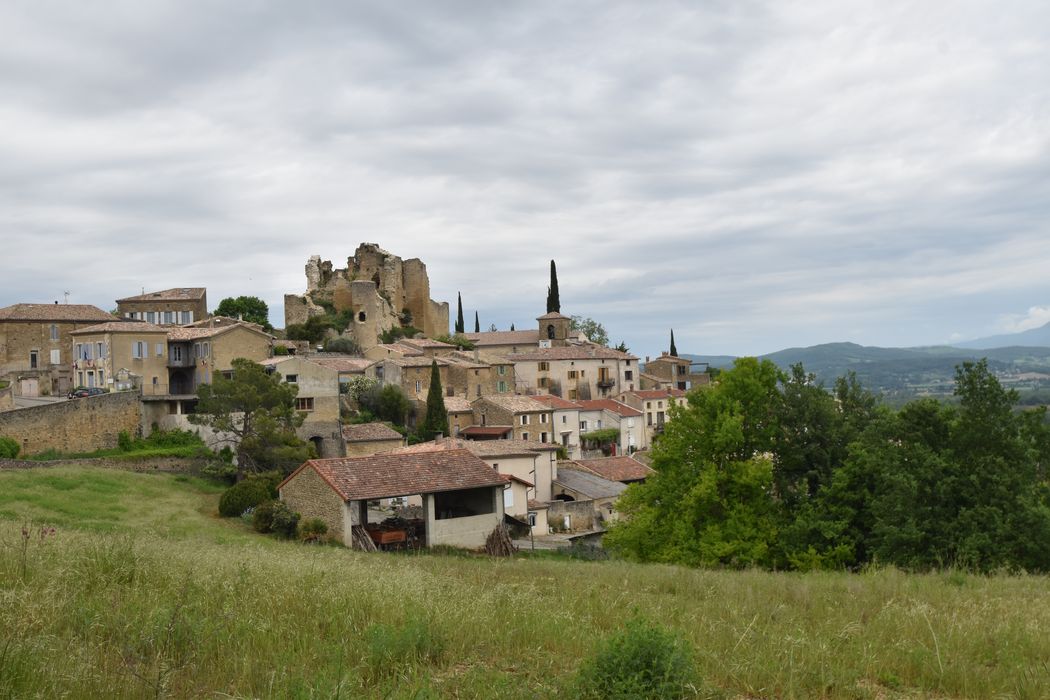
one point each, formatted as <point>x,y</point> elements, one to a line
<point>477,323</point>
<point>387,403</point>
<point>674,350</point>
<point>436,420</point>
<point>257,411</point>
<point>459,313</point>
<point>594,331</point>
<point>252,309</point>
<point>313,330</point>
<point>553,296</point>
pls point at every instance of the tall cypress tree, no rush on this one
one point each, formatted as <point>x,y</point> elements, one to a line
<point>674,350</point>
<point>477,324</point>
<point>459,313</point>
<point>553,299</point>
<point>512,326</point>
<point>436,420</point>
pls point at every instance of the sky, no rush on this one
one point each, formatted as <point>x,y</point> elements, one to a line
<point>755,175</point>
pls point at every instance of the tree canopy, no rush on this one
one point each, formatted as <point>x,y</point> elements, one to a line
<point>252,309</point>
<point>594,331</point>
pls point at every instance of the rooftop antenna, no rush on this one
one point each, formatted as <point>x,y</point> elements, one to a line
<point>66,295</point>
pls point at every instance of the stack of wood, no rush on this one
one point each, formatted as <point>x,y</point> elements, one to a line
<point>498,543</point>
<point>361,540</point>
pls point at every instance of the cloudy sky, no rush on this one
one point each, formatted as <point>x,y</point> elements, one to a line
<point>755,174</point>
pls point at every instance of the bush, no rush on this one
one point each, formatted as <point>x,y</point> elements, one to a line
<point>285,520</point>
<point>642,661</point>
<point>343,345</point>
<point>262,516</point>
<point>280,351</point>
<point>312,530</point>
<point>124,441</point>
<point>242,496</point>
<point>9,448</point>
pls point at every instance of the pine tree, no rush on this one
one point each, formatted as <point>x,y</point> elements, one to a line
<point>512,326</point>
<point>477,324</point>
<point>553,300</point>
<point>674,350</point>
<point>459,313</point>
<point>436,420</point>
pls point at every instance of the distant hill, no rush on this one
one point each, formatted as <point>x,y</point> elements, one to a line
<point>1036,337</point>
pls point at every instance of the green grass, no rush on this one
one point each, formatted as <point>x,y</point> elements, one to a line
<point>143,592</point>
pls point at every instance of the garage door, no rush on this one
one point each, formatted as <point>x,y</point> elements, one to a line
<point>29,387</point>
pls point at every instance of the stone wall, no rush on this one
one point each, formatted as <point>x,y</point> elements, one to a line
<point>7,399</point>
<point>78,425</point>
<point>311,496</point>
<point>173,465</point>
<point>583,515</point>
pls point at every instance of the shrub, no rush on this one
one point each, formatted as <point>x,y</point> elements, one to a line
<point>124,441</point>
<point>262,516</point>
<point>242,496</point>
<point>312,530</point>
<point>343,345</point>
<point>285,520</point>
<point>9,448</point>
<point>642,661</point>
<point>279,350</point>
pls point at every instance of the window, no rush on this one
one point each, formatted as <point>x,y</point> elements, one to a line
<point>572,374</point>
<point>648,418</point>
<point>525,420</point>
<point>291,378</point>
<point>564,419</point>
<point>628,375</point>
<point>449,391</point>
<point>100,351</point>
<point>151,316</point>
<point>479,390</point>
<point>648,404</point>
<point>572,395</point>
<point>169,317</point>
<point>207,349</point>
<point>508,497</point>
<point>139,350</point>
<point>419,387</point>
<point>56,357</point>
<point>544,366</point>
<point>501,387</point>
<point>524,436</point>
<point>197,350</point>
<point>582,373</point>
<point>543,437</point>
<point>78,351</point>
<point>304,403</point>
<point>542,382</point>
<point>101,378</point>
<point>187,317</point>
<point>54,332</point>
<point>543,418</point>
<point>501,370</point>
<point>532,520</point>
<point>659,404</point>
<point>176,353</point>
<point>583,425</point>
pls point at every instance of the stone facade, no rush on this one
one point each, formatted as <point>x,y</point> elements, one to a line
<point>676,372</point>
<point>379,289</point>
<point>79,425</point>
<point>318,398</point>
<point>308,494</point>
<point>169,307</point>
<point>530,419</point>
<point>101,352</point>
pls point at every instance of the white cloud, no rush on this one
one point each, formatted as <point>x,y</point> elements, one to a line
<point>1036,317</point>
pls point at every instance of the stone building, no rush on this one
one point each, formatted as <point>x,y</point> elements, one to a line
<point>35,345</point>
<point>655,405</point>
<point>530,420</point>
<point>121,355</point>
<point>169,307</point>
<point>575,371</point>
<point>379,290</point>
<point>675,372</point>
<point>318,399</point>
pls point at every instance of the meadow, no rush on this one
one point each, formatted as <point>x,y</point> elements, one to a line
<point>142,591</point>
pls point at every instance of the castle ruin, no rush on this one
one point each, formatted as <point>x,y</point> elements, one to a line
<point>380,289</point>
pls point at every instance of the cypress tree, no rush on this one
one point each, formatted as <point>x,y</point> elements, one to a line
<point>459,313</point>
<point>553,299</point>
<point>436,420</point>
<point>477,324</point>
<point>512,326</point>
<point>674,350</point>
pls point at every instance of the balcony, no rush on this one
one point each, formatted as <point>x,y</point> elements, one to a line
<point>606,382</point>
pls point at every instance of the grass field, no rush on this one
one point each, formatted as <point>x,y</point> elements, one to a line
<point>143,592</point>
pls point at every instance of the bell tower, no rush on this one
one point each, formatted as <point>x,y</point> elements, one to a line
<point>554,328</point>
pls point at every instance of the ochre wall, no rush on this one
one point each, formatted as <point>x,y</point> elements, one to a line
<point>77,425</point>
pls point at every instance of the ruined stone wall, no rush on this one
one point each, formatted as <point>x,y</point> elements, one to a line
<point>78,425</point>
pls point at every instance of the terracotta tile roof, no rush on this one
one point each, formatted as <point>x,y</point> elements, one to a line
<point>650,394</point>
<point>515,403</point>
<point>416,361</point>
<point>555,402</point>
<point>483,357</point>
<point>121,327</point>
<point>175,294</point>
<point>185,333</point>
<point>612,405</point>
<point>487,430</point>
<point>671,358</point>
<point>389,474</point>
<point>488,338</point>
<point>588,485</point>
<point>482,448</point>
<point>457,404</point>
<point>401,349</point>
<point>352,365</point>
<point>370,432</point>
<point>511,477</point>
<point>571,352</point>
<point>425,343</point>
<point>622,468</point>
<point>54,312</point>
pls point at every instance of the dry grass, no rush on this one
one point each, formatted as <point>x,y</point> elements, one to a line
<point>133,607</point>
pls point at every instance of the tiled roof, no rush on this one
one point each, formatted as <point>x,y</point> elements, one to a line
<point>482,448</point>
<point>555,402</point>
<point>415,361</point>
<point>671,358</point>
<point>571,352</point>
<point>511,477</point>
<point>612,405</point>
<point>483,357</point>
<point>589,485</point>
<point>184,333</point>
<point>529,337</point>
<point>425,343</point>
<point>369,432</point>
<point>54,312</point>
<point>515,403</point>
<point>487,430</point>
<point>551,316</point>
<point>121,327</point>
<point>176,294</point>
<point>622,468</point>
<point>457,404</point>
<point>400,349</point>
<point>389,474</point>
<point>342,364</point>
<point>650,394</point>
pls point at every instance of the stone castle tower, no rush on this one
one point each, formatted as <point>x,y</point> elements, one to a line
<point>380,289</point>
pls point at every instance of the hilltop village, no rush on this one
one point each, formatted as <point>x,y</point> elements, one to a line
<point>545,428</point>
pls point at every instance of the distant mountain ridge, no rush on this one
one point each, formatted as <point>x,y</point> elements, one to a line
<point>1035,337</point>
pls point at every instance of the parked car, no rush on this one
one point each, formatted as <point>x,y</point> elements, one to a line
<point>82,391</point>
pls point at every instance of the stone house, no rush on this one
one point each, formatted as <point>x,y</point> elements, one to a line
<point>460,414</point>
<point>530,420</point>
<point>35,345</point>
<point>594,499</point>
<point>655,405</point>
<point>171,307</point>
<point>462,496</point>
<point>603,414</point>
<point>503,343</point>
<point>121,355</point>
<point>575,371</point>
<point>677,372</point>
<point>318,399</point>
<point>565,417</point>
<point>345,367</point>
<point>622,468</point>
<point>364,439</point>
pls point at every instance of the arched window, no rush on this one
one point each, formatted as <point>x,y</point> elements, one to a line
<point>550,331</point>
